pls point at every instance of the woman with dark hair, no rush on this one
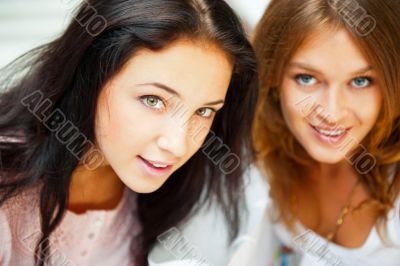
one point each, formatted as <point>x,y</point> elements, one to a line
<point>101,131</point>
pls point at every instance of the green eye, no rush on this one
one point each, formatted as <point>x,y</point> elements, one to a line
<point>152,101</point>
<point>205,112</point>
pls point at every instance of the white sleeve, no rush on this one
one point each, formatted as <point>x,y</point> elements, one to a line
<point>259,247</point>
<point>396,218</point>
<point>179,263</point>
<point>5,240</point>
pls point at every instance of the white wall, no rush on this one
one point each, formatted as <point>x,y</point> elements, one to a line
<point>25,24</point>
<point>249,10</point>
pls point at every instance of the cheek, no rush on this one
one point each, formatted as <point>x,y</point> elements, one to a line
<point>197,133</point>
<point>112,135</point>
<point>122,125</point>
<point>369,117</point>
<point>370,113</point>
<point>292,105</point>
<point>112,122</point>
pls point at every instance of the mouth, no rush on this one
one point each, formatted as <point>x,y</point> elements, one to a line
<point>155,168</point>
<point>330,135</point>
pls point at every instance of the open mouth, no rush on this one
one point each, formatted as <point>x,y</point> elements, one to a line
<point>154,167</point>
<point>331,135</point>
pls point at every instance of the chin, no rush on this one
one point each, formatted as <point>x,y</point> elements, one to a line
<point>145,190</point>
<point>326,156</point>
<point>143,185</point>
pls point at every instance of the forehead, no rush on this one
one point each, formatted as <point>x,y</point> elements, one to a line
<point>331,50</point>
<point>197,71</point>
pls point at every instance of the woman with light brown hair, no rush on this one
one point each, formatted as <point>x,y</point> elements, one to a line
<point>328,133</point>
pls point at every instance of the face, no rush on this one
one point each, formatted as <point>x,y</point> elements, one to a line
<point>156,112</point>
<point>330,96</point>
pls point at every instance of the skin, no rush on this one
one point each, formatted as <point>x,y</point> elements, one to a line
<point>330,71</point>
<point>137,118</point>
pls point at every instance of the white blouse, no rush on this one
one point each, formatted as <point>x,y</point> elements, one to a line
<point>272,244</point>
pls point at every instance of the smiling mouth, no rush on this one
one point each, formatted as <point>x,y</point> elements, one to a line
<point>330,134</point>
<point>155,168</point>
<point>155,164</point>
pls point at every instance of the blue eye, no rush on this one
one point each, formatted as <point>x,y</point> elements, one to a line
<point>153,102</point>
<point>205,112</point>
<point>361,82</point>
<point>305,80</point>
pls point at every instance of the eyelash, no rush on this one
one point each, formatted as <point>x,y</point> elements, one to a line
<point>368,78</point>
<point>146,97</point>
<point>298,76</point>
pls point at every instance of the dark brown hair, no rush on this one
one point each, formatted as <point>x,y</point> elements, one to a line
<point>71,70</point>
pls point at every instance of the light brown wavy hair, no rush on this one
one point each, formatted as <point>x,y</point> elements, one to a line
<point>374,27</point>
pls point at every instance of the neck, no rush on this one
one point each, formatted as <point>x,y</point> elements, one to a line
<point>329,180</point>
<point>321,173</point>
<point>94,189</point>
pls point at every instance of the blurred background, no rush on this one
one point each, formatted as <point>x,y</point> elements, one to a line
<point>25,24</point>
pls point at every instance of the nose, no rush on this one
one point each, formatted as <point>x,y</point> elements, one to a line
<point>334,104</point>
<point>173,138</point>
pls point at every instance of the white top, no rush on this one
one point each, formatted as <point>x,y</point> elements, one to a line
<point>267,246</point>
<point>203,240</point>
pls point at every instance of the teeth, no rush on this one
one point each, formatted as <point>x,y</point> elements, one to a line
<point>159,165</point>
<point>330,133</point>
<point>156,165</point>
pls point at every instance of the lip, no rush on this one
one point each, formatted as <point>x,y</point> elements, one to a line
<point>157,162</point>
<point>154,171</point>
<point>328,128</point>
<point>329,139</point>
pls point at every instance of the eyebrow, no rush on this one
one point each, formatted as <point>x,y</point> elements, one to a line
<point>175,93</point>
<point>312,69</point>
